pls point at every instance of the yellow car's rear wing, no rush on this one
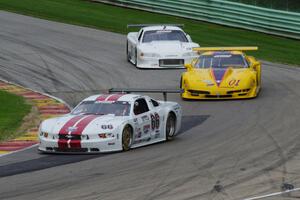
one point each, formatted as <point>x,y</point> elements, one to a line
<point>225,49</point>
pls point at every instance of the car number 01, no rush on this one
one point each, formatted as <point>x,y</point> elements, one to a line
<point>154,121</point>
<point>234,82</point>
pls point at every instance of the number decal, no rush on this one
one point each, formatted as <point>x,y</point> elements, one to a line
<point>234,82</point>
<point>155,121</point>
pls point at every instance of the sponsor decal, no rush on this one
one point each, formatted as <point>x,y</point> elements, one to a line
<point>156,135</point>
<point>72,128</point>
<point>138,133</point>
<point>146,128</point>
<point>145,118</point>
<point>223,56</point>
<point>208,82</point>
<point>135,120</point>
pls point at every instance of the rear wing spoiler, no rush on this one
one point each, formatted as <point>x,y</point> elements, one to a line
<point>136,90</point>
<point>145,25</point>
<point>225,49</point>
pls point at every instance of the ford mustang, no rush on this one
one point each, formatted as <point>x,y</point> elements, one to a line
<point>111,122</point>
<point>222,73</point>
<point>160,46</point>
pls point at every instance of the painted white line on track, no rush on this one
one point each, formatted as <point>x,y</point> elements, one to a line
<point>2,155</point>
<point>272,194</point>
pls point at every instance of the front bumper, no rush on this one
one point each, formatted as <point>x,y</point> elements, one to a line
<point>220,94</point>
<point>79,146</point>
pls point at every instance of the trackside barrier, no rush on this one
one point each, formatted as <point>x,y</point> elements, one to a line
<point>277,22</point>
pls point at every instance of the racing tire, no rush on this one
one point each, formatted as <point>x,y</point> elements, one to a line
<point>170,126</point>
<point>180,85</point>
<point>127,52</point>
<point>126,138</point>
<point>136,60</point>
<point>182,89</point>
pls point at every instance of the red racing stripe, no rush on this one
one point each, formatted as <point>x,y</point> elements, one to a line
<point>62,143</point>
<point>102,97</point>
<point>80,127</point>
<point>114,97</point>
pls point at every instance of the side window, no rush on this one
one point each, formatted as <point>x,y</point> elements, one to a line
<point>140,35</point>
<point>140,106</point>
<point>154,103</point>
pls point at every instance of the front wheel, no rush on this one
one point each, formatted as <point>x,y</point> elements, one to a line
<point>127,52</point>
<point>170,126</point>
<point>126,138</point>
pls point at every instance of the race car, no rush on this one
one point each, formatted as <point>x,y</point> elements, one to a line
<point>222,73</point>
<point>160,46</point>
<point>111,122</point>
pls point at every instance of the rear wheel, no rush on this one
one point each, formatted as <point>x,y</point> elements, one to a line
<point>126,138</point>
<point>170,126</point>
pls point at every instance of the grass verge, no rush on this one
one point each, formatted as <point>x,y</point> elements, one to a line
<point>115,19</point>
<point>13,109</point>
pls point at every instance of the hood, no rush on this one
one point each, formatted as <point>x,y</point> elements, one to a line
<point>81,124</point>
<point>222,78</point>
<point>167,46</point>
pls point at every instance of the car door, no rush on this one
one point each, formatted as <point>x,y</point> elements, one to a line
<point>142,119</point>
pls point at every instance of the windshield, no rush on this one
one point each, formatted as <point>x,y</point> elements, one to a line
<point>118,108</point>
<point>164,35</point>
<point>221,61</point>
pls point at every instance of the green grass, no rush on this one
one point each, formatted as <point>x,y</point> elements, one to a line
<point>110,18</point>
<point>13,109</point>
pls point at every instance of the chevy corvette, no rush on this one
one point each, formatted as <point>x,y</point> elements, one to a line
<point>222,73</point>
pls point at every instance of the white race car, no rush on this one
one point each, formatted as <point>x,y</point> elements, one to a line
<point>111,122</point>
<point>160,46</point>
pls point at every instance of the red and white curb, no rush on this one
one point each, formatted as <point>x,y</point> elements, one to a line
<point>48,107</point>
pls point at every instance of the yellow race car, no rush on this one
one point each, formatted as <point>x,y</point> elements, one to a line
<point>222,73</point>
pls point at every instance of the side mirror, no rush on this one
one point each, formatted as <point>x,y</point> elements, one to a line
<point>188,66</point>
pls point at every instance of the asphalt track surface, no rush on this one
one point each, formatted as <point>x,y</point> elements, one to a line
<point>226,150</point>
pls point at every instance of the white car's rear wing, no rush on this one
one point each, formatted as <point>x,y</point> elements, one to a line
<point>146,25</point>
<point>137,90</point>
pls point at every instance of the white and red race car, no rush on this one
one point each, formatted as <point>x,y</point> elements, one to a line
<point>160,46</point>
<point>111,122</point>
